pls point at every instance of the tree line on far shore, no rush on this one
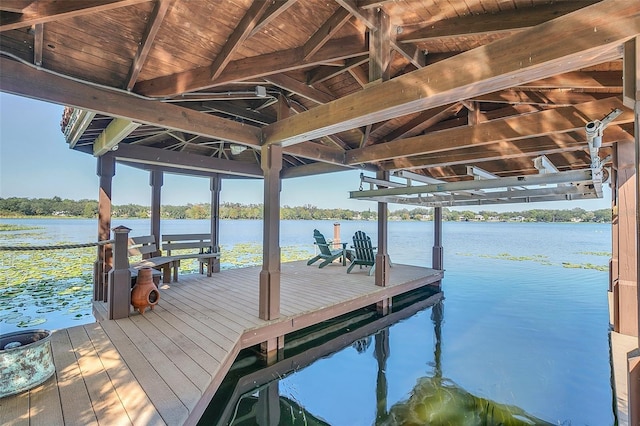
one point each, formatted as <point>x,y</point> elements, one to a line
<point>57,207</point>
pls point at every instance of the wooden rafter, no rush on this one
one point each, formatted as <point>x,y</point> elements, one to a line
<point>549,97</point>
<point>253,67</point>
<point>275,9</point>
<point>110,137</point>
<point>325,32</point>
<point>506,22</point>
<point>580,80</point>
<point>364,15</point>
<point>239,35</point>
<point>292,85</point>
<point>562,45</point>
<point>411,53</point>
<point>150,32</point>
<point>543,123</point>
<point>321,74</point>
<point>41,11</point>
<point>422,121</point>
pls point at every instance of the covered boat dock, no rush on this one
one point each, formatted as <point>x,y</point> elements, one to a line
<point>439,103</point>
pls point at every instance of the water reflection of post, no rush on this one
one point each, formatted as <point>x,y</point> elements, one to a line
<point>268,406</point>
<point>381,352</point>
<point>437,313</point>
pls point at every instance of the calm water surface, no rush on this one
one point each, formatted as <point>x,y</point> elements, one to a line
<point>516,326</point>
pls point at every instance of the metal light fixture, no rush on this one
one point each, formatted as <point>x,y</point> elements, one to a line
<point>237,149</point>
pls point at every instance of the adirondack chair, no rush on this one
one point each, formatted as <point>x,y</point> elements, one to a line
<point>326,253</point>
<point>364,252</point>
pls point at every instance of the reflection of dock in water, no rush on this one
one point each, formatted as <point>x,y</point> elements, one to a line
<point>256,398</point>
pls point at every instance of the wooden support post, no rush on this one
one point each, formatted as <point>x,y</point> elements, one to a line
<point>614,274</point>
<point>216,187</point>
<point>380,48</point>
<point>106,169</point>
<point>336,236</point>
<point>156,181</point>
<point>268,407</point>
<point>437,257</point>
<point>272,350</point>
<point>627,285</point>
<point>119,294</point>
<point>270,274</point>
<point>382,255</point>
<point>271,162</point>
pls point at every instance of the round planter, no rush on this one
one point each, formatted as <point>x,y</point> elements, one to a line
<point>26,360</point>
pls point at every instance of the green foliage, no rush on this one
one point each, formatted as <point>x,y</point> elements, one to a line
<point>9,227</point>
<point>21,207</point>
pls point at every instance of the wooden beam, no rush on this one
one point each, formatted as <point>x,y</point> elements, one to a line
<point>112,135</point>
<point>312,170</point>
<point>38,42</point>
<point>555,143</point>
<point>373,4</point>
<point>299,88</point>
<point>365,16</point>
<point>564,44</point>
<point>411,53</point>
<point>14,6</point>
<point>239,35</point>
<point>150,32</point>
<point>184,161</point>
<point>275,9</point>
<point>422,121</point>
<point>360,76</point>
<point>23,80</point>
<point>43,11</point>
<point>325,73</point>
<point>579,80</point>
<point>557,120</point>
<point>506,22</point>
<point>227,107</point>
<point>325,32</point>
<point>631,73</point>
<point>253,67</point>
<point>546,98</point>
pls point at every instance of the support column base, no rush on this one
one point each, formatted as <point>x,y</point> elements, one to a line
<point>272,350</point>
<point>382,269</point>
<point>633,369</point>
<point>269,302</point>
<point>119,293</point>
<point>384,306</point>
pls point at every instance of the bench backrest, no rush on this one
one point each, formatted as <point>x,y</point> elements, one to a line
<point>144,246</point>
<point>202,242</point>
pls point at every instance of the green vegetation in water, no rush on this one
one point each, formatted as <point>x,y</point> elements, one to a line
<point>35,283</point>
<point>4,227</point>
<point>596,253</point>
<point>584,266</point>
<point>544,260</point>
<point>507,256</point>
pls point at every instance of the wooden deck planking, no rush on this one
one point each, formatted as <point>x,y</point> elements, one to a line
<point>164,367</point>
<point>74,397</point>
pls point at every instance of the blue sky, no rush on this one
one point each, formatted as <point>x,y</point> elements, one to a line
<point>35,162</point>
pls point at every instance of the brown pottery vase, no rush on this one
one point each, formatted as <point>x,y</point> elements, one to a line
<point>145,293</point>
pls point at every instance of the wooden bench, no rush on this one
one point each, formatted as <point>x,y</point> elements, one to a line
<point>145,247</point>
<point>201,245</point>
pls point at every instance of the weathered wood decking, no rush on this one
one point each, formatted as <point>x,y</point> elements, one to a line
<point>164,367</point>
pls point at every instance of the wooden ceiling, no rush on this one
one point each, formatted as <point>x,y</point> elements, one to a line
<point>430,86</point>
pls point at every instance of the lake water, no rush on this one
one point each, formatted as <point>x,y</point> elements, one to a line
<point>524,321</point>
